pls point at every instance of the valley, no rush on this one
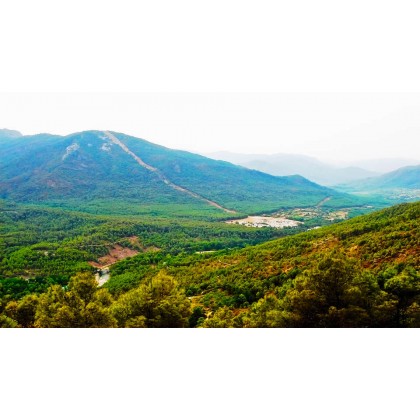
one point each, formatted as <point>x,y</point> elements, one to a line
<point>401,185</point>
<point>281,282</point>
<point>102,229</point>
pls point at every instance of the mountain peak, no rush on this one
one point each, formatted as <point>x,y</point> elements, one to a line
<point>5,132</point>
<point>108,166</point>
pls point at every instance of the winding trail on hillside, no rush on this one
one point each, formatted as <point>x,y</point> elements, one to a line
<point>323,201</point>
<point>161,176</point>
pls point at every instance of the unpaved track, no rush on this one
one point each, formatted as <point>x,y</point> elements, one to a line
<point>322,202</point>
<point>161,176</point>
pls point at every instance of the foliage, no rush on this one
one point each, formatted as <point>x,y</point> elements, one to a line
<point>81,306</point>
<point>6,322</point>
<point>24,310</point>
<point>158,303</point>
<point>52,243</point>
<point>363,272</point>
<point>197,317</point>
<point>16,288</point>
<point>222,318</point>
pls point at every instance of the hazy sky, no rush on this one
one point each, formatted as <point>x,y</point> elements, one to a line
<point>223,46</point>
<point>331,126</point>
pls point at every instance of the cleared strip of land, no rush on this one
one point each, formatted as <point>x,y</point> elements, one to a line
<point>161,176</point>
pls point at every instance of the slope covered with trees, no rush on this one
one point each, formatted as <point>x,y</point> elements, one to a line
<point>101,172</point>
<point>406,178</point>
<point>46,242</point>
<point>359,273</point>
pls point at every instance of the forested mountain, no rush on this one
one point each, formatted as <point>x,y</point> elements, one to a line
<point>158,234</point>
<point>281,164</point>
<point>90,169</point>
<point>363,272</point>
<point>405,178</point>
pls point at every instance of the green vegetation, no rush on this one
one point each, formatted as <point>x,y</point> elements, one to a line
<point>88,172</point>
<point>159,303</point>
<point>398,186</point>
<point>363,272</point>
<point>48,246</point>
<point>406,178</point>
<point>75,206</point>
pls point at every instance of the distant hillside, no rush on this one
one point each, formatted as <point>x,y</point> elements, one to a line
<point>290,164</point>
<point>403,178</point>
<point>97,166</point>
<point>384,165</point>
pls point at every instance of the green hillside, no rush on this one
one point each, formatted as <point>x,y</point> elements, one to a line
<point>234,186</point>
<point>406,178</point>
<point>363,272</point>
<point>82,167</point>
<point>147,221</point>
<point>90,171</point>
<point>40,242</point>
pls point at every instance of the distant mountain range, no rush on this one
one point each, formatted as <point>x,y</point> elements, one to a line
<point>324,173</point>
<point>403,178</point>
<point>289,164</point>
<point>382,166</point>
<point>109,167</point>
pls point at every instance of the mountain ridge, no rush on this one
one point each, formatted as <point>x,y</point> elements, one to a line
<point>91,165</point>
<point>284,164</point>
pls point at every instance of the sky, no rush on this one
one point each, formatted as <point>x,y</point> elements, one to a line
<point>329,126</point>
<point>155,60</point>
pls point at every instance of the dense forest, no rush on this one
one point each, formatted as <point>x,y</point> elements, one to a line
<point>39,241</point>
<point>362,272</point>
